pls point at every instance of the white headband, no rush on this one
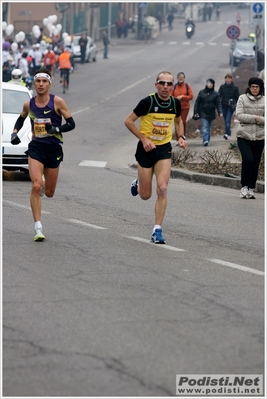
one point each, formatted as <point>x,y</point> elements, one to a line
<point>42,75</point>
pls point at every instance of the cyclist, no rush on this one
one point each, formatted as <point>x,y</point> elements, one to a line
<point>64,61</point>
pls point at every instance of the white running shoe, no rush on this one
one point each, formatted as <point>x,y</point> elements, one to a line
<point>244,192</point>
<point>39,236</point>
<point>251,193</point>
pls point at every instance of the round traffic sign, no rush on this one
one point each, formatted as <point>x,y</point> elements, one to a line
<point>233,32</point>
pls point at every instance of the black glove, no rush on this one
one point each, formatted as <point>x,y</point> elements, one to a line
<point>51,129</point>
<point>15,139</point>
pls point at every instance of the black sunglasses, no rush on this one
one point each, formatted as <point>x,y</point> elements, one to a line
<point>163,83</point>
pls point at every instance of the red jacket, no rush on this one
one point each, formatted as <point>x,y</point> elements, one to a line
<point>186,92</point>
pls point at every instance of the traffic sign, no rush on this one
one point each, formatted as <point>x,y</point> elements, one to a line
<point>233,32</point>
<point>256,15</point>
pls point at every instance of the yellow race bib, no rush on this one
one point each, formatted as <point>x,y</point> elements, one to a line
<point>39,127</point>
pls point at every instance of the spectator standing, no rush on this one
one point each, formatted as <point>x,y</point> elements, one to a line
<point>106,43</point>
<point>238,19</point>
<point>183,91</point>
<point>207,102</point>
<point>218,13</point>
<point>6,73</point>
<point>229,94</point>
<point>83,43</point>
<point>31,55</point>
<point>50,60</point>
<point>170,19</point>
<point>160,19</point>
<point>250,111</point>
<point>18,54</point>
<point>24,66</point>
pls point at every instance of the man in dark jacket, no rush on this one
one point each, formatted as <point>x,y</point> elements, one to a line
<point>6,72</point>
<point>229,94</point>
<point>207,102</point>
<point>83,43</point>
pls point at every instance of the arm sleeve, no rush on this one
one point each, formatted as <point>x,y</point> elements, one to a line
<point>19,123</point>
<point>69,125</point>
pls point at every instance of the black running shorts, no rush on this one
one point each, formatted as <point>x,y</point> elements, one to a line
<point>150,158</point>
<point>50,155</point>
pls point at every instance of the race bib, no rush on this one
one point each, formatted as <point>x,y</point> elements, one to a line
<point>159,130</point>
<point>39,127</point>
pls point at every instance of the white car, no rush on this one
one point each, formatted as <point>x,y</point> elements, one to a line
<point>13,98</point>
<point>90,52</point>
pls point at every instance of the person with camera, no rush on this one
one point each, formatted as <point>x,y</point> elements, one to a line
<point>229,95</point>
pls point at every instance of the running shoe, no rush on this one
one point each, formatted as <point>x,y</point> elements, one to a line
<point>244,192</point>
<point>42,191</point>
<point>39,236</point>
<point>226,136</point>
<point>134,187</point>
<point>251,193</point>
<point>157,237</point>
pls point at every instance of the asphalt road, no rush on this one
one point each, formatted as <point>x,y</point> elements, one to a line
<point>96,309</point>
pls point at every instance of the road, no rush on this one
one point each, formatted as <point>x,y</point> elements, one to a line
<point>96,309</point>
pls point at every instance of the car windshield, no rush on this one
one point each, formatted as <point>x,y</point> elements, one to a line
<point>76,41</point>
<point>13,101</point>
<point>245,46</point>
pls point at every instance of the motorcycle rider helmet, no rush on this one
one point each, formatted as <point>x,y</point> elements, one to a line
<point>16,74</point>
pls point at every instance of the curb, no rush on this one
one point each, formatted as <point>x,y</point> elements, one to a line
<point>212,180</point>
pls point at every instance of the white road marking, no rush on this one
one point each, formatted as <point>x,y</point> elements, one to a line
<point>163,246</point>
<point>158,245</point>
<point>212,44</point>
<point>235,266</point>
<point>23,206</point>
<point>87,224</point>
<point>96,164</point>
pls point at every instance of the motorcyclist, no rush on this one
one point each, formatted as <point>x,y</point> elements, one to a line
<point>16,75</point>
<point>190,21</point>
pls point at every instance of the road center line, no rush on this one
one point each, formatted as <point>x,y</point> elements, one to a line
<point>235,266</point>
<point>164,246</point>
<point>87,224</point>
<point>23,206</point>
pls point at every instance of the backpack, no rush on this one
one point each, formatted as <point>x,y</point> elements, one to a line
<point>186,85</point>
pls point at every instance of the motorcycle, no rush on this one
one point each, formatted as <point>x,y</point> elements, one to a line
<point>189,30</point>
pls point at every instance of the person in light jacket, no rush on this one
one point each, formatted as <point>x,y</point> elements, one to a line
<point>250,111</point>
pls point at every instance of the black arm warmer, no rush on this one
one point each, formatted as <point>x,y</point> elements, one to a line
<point>19,123</point>
<point>70,125</point>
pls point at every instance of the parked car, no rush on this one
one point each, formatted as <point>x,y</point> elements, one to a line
<point>90,52</point>
<point>243,50</point>
<point>13,98</point>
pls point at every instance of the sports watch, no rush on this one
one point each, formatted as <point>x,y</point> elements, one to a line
<point>183,137</point>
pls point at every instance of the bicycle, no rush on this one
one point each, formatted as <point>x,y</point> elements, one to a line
<point>65,79</point>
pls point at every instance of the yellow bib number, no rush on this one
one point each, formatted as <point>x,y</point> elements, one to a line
<point>39,127</point>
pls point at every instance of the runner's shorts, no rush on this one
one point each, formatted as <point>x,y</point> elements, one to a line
<point>150,158</point>
<point>50,155</point>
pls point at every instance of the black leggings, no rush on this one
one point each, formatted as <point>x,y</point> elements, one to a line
<point>251,156</point>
